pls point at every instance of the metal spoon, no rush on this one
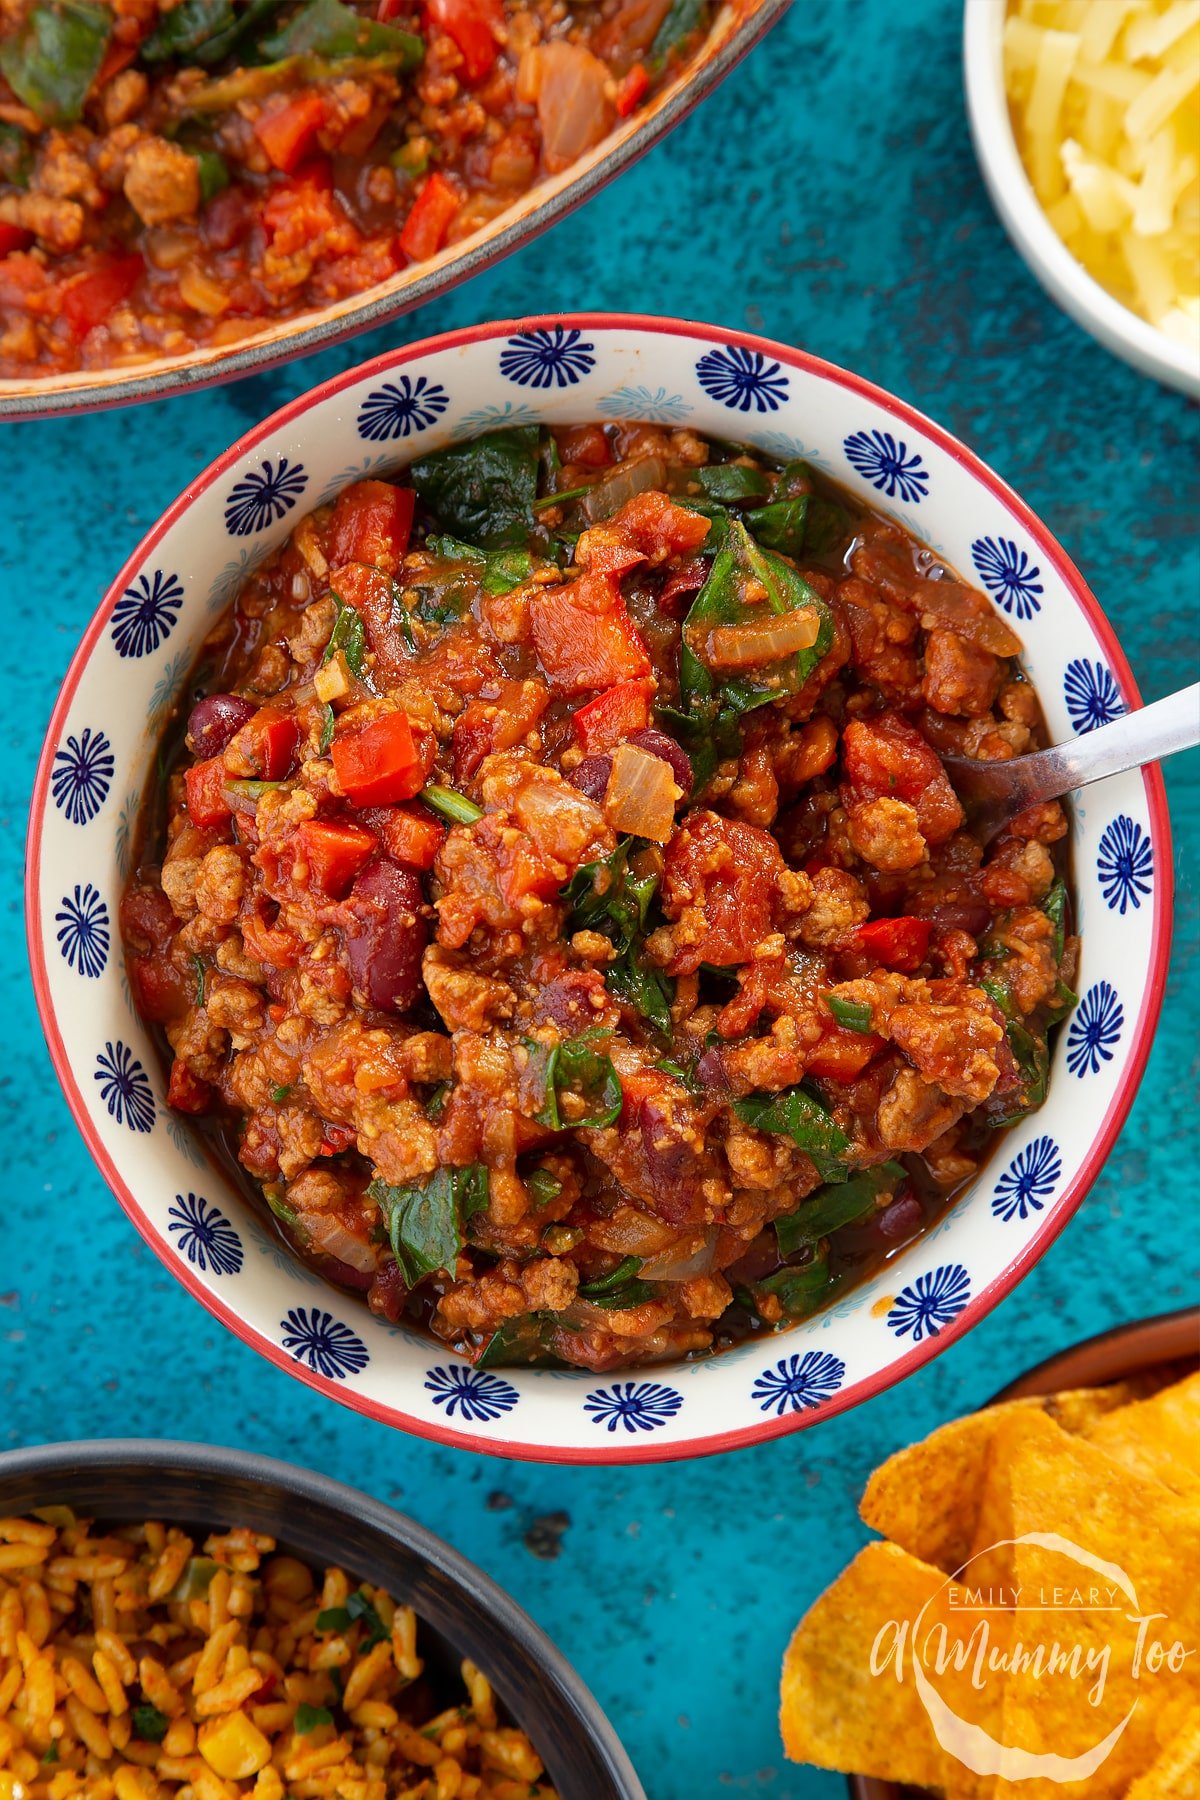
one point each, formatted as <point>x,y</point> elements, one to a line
<point>992,792</point>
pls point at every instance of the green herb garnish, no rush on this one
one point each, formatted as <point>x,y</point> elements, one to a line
<point>854,1015</point>
<point>327,28</point>
<point>574,1070</point>
<point>149,1724</point>
<point>607,897</point>
<point>543,1186</point>
<point>426,1220</point>
<point>198,965</point>
<point>309,1717</point>
<point>799,1116</point>
<point>451,804</point>
<point>348,636</point>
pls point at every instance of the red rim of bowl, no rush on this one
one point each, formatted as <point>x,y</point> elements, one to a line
<point>706,73</point>
<point>977,1308</point>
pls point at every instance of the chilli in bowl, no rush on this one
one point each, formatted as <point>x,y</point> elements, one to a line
<point>177,176</point>
<point>560,910</point>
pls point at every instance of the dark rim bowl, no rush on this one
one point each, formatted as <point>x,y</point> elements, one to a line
<point>1113,1355</point>
<point>462,1610</point>
<point>737,27</point>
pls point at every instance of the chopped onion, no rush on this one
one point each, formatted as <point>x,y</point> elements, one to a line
<point>641,794</point>
<point>764,640</point>
<point>637,476</point>
<point>686,1260</point>
<point>630,1232</point>
<point>569,85</point>
<point>956,608</point>
<point>326,1233</point>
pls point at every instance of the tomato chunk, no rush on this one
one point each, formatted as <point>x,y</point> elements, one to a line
<point>371,523</point>
<point>887,758</point>
<point>334,851</point>
<point>901,944</point>
<point>721,875</point>
<point>610,718</point>
<point>88,300</point>
<point>379,763</point>
<point>207,801</point>
<point>584,637</point>
<point>426,226</point>
<point>266,744</point>
<point>287,132</point>
<point>842,1055</point>
<point>475,26</point>
<point>186,1092</point>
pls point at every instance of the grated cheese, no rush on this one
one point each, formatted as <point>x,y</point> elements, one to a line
<point>1105,102</point>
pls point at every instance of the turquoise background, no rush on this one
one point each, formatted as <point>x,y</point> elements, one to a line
<point>826,195</point>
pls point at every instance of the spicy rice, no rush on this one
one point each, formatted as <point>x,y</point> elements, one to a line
<point>134,1666</point>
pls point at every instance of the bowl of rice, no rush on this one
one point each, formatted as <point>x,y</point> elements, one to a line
<point>182,1620</point>
<point>1086,120</point>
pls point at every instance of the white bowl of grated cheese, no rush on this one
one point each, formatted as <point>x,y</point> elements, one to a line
<point>1105,203</point>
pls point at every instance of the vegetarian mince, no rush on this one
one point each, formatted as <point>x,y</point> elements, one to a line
<point>560,908</point>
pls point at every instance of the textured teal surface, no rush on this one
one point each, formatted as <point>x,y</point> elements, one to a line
<point>826,195</point>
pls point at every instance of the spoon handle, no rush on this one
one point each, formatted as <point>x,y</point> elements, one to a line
<point>1129,742</point>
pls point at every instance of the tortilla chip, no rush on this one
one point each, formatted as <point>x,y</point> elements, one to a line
<point>1043,1481</point>
<point>925,1498</point>
<point>1158,1438</point>
<point>833,1711</point>
<point>1176,1773</point>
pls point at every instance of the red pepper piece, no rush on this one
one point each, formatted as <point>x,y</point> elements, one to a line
<point>207,801</point>
<point>287,132</point>
<point>632,89</point>
<point>371,523</point>
<point>88,300</point>
<point>901,944</point>
<point>612,717</point>
<point>585,638</point>
<point>379,763</point>
<point>475,26</point>
<point>427,224</point>
<point>410,835</point>
<point>268,743</point>
<point>334,850</point>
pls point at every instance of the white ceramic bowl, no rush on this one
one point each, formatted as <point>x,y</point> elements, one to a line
<point>99,757</point>
<point>1064,279</point>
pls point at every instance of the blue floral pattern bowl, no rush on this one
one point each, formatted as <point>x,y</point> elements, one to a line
<point>99,757</point>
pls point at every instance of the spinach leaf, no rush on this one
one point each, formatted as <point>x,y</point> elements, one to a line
<point>328,726</point>
<point>503,570</point>
<point>1055,908</point>
<point>309,1717</point>
<point>180,32</point>
<point>731,482</point>
<point>616,1278</point>
<point>797,1115</point>
<point>451,804</point>
<point>526,1339</point>
<point>607,897</point>
<point>214,171</point>
<point>52,62</point>
<point>348,636</point>
<point>710,707</point>
<point>836,1205</point>
<point>148,1723</point>
<point>16,155</point>
<point>544,1186</point>
<point>327,28</point>
<point>852,1015</point>
<point>684,17</point>
<point>574,1070</point>
<point>1033,1061</point>
<point>799,1288</point>
<point>806,523</point>
<point>426,1220</point>
<point>483,492</point>
<point>334,1618</point>
<point>245,25</point>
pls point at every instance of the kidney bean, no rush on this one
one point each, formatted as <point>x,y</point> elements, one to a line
<point>668,751</point>
<point>902,1219</point>
<point>216,719</point>
<point>385,934</point>
<point>591,777</point>
<point>971,916</point>
<point>711,1072</point>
